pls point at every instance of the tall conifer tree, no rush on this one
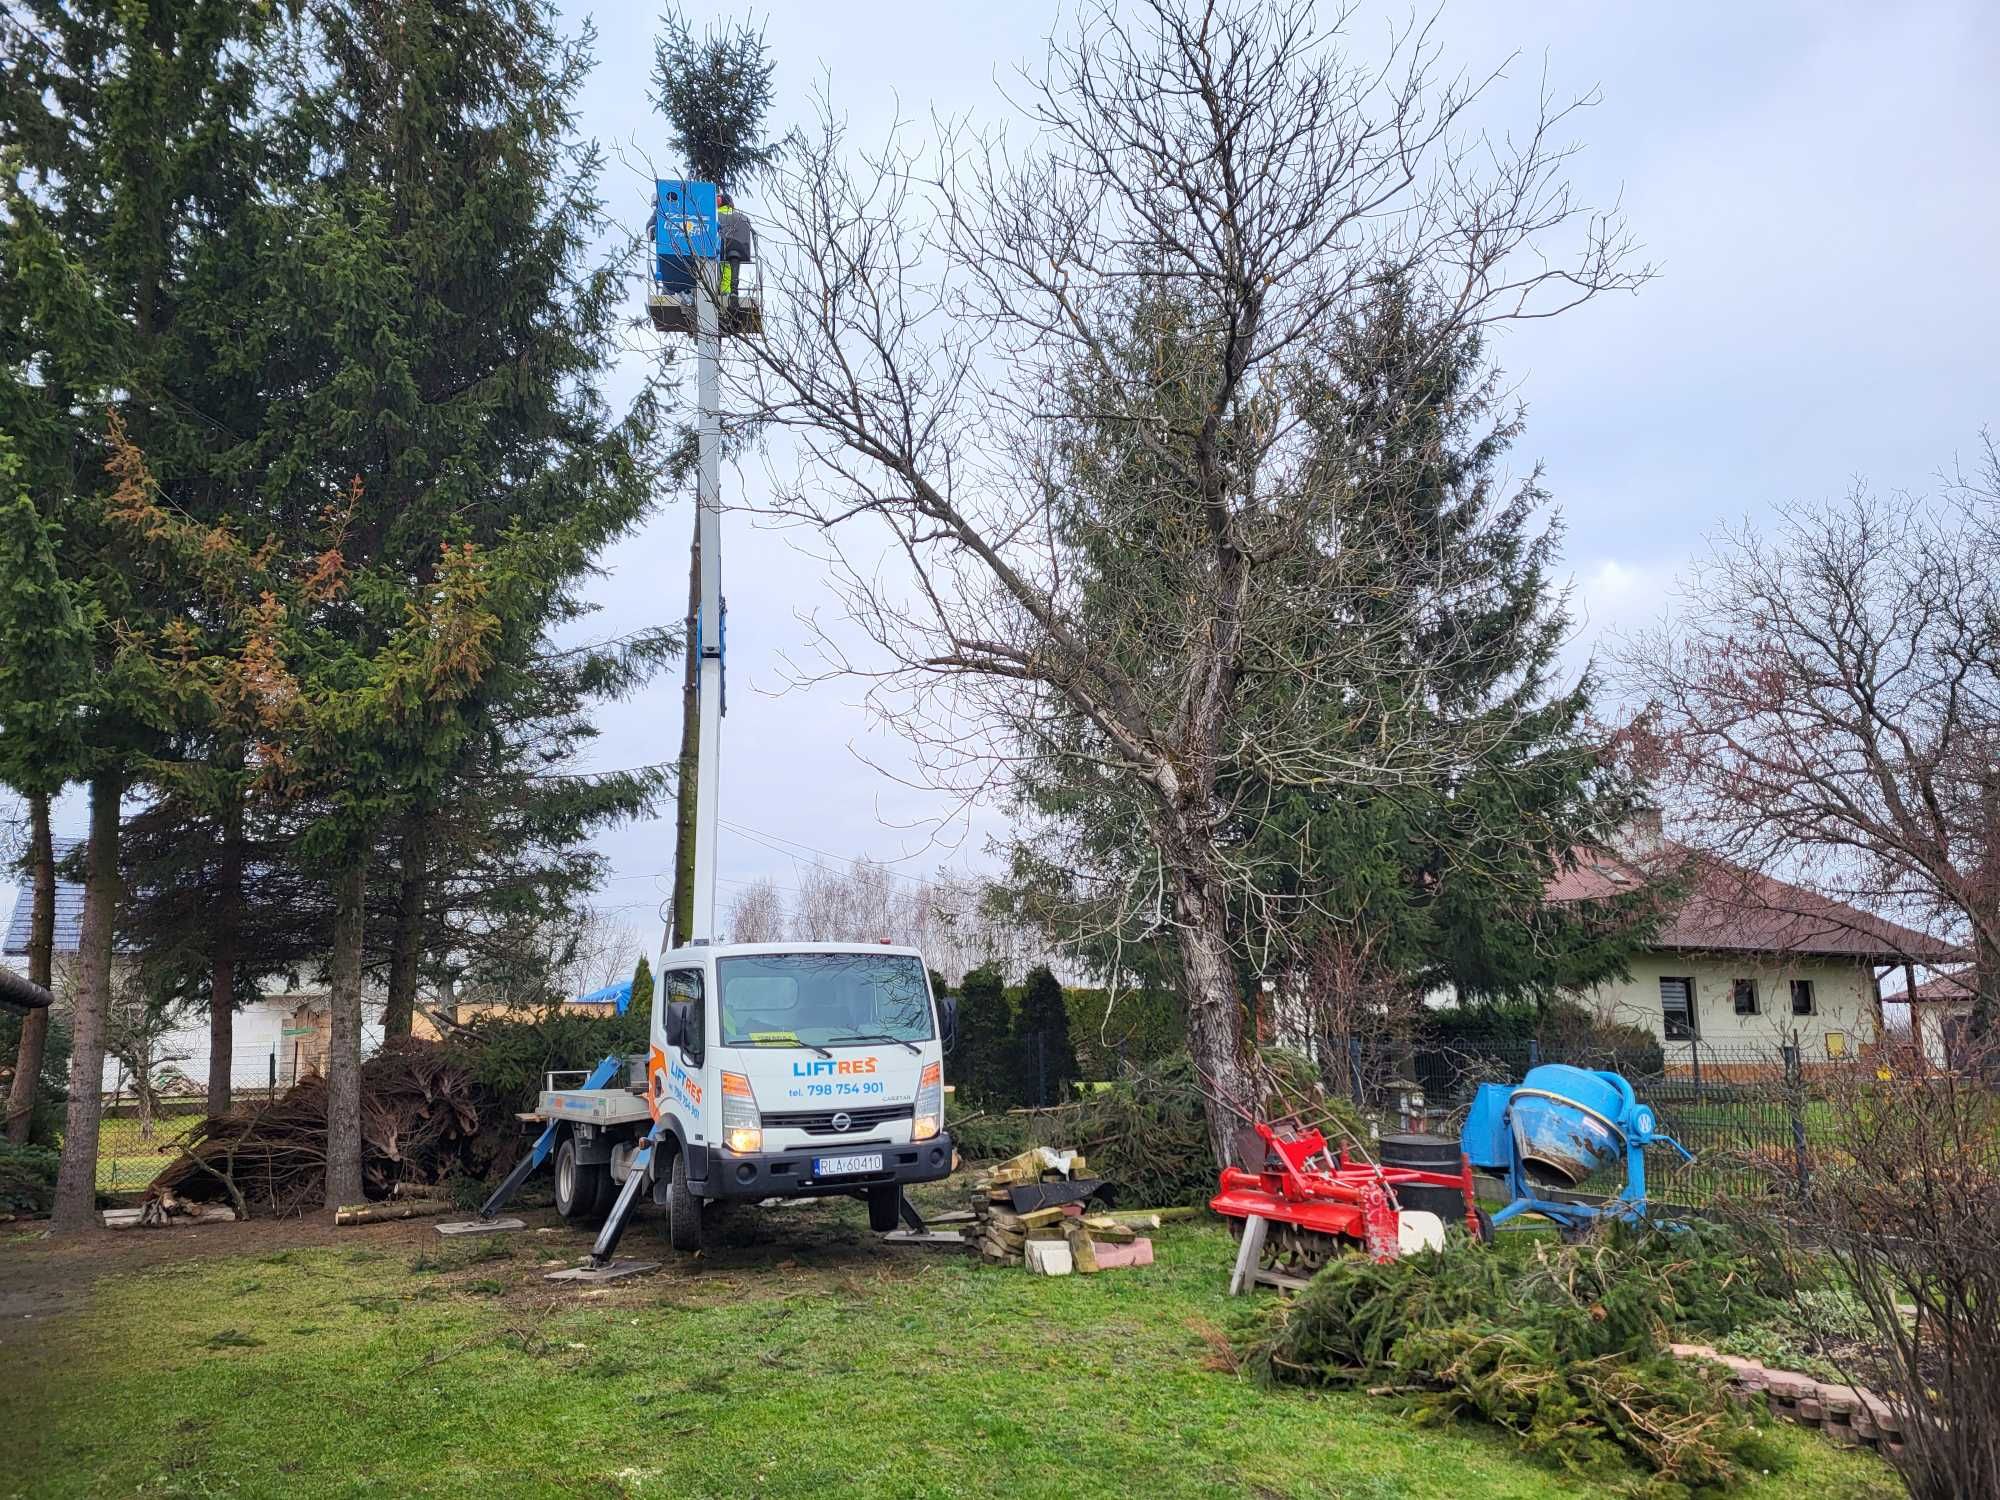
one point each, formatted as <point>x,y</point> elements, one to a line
<point>123,134</point>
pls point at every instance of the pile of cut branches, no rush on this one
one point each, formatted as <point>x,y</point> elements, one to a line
<point>1564,1346</point>
<point>422,1115</point>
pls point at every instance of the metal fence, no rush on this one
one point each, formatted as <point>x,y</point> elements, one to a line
<point>1753,1117</point>
<point>145,1121</point>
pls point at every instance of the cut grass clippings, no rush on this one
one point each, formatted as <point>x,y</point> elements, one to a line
<point>784,1369</point>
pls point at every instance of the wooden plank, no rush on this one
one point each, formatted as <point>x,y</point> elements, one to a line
<point>1284,1281</point>
<point>1248,1254</point>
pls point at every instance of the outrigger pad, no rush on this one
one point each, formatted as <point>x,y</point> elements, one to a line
<point>950,1239</point>
<point>481,1226</point>
<point>611,1272</point>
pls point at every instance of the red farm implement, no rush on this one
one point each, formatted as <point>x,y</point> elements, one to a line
<point>1319,1203</point>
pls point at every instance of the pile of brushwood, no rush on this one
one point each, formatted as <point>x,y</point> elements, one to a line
<point>431,1113</point>
<point>1563,1346</point>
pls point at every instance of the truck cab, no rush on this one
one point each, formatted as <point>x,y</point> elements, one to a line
<point>776,1070</point>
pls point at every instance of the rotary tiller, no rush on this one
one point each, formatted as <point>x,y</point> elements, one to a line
<point>1320,1203</point>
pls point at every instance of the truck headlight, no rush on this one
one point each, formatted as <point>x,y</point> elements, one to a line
<point>929,1113</point>
<point>742,1125</point>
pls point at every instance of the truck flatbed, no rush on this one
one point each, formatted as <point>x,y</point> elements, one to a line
<point>593,1106</point>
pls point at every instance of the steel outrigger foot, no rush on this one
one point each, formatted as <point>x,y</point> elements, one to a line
<point>602,1266</point>
<point>910,1216</point>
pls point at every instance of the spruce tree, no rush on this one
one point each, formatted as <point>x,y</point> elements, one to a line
<point>123,131</point>
<point>642,988</point>
<point>1440,871</point>
<point>44,671</point>
<point>448,333</point>
<point>1449,629</point>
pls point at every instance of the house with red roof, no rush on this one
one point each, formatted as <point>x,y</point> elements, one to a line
<point>1746,962</point>
<point>1941,1017</point>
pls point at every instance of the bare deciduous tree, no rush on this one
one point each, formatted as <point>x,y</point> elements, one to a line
<point>933,333</point>
<point>757,915</point>
<point>1827,701</point>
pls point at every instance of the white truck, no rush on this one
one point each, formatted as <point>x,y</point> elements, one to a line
<point>777,1070</point>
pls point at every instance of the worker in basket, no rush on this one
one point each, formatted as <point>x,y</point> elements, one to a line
<point>739,246</point>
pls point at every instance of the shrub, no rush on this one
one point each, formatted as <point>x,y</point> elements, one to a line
<point>1903,1205</point>
<point>509,1055</point>
<point>1133,1028</point>
<point>27,1178</point>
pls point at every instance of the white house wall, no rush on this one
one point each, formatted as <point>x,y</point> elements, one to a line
<point>257,1036</point>
<point>1843,996</point>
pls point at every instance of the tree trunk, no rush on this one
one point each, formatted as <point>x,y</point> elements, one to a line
<point>41,969</point>
<point>682,926</point>
<point>1214,1009</point>
<point>407,942</point>
<point>76,1179</point>
<point>343,1056</point>
<point>222,965</point>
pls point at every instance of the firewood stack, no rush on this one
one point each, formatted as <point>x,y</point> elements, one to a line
<point>1037,1210</point>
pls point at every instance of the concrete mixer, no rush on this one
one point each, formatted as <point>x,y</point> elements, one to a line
<point>1554,1129</point>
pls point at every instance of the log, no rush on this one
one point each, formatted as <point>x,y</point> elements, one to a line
<point>377,1213</point>
<point>134,1218</point>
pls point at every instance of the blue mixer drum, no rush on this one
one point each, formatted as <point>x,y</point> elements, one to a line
<point>1569,1122</point>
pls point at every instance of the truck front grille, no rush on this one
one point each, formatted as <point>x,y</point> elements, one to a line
<point>820,1121</point>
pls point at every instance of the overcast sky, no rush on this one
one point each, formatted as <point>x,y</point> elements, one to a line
<point>1816,182</point>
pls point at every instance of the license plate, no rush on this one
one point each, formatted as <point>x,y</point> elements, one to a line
<point>843,1166</point>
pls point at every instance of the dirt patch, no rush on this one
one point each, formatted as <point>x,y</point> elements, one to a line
<point>819,1247</point>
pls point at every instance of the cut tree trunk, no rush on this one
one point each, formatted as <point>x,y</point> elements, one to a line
<point>1214,1009</point>
<point>406,943</point>
<point>343,1057</point>
<point>690,762</point>
<point>41,968</point>
<point>76,1178</point>
<point>377,1213</point>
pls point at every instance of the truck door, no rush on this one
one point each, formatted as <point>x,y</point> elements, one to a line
<point>686,1083</point>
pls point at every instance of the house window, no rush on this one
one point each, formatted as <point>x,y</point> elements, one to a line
<point>1677,1009</point>
<point>1802,998</point>
<point>1744,993</point>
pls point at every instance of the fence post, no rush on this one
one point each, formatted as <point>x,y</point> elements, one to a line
<point>1795,1105</point>
<point>1694,1056</point>
<point>1534,1052</point>
<point>274,1072</point>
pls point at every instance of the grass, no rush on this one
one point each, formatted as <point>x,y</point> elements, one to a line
<point>815,1365</point>
<point>127,1161</point>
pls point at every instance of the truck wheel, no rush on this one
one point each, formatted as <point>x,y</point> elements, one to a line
<point>885,1208</point>
<point>683,1209</point>
<point>581,1187</point>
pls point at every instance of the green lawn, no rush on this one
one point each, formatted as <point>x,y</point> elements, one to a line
<point>126,1160</point>
<point>800,1359</point>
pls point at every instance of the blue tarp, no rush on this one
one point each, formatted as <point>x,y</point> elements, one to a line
<point>619,994</point>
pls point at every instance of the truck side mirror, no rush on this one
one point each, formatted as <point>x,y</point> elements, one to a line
<point>677,1024</point>
<point>948,1021</point>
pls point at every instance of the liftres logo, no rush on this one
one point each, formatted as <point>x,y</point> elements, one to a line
<point>846,1067</point>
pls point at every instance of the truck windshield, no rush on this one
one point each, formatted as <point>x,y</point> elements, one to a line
<point>820,999</point>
